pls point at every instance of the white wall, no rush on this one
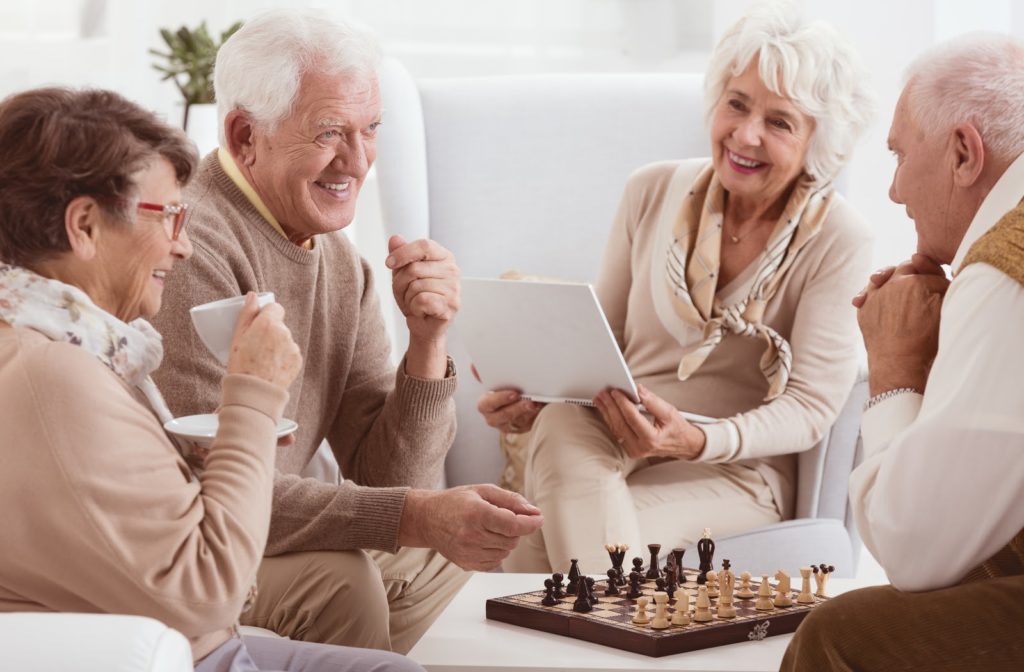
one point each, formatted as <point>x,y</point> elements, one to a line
<point>105,43</point>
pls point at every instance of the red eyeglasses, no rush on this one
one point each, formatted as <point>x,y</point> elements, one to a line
<point>173,216</point>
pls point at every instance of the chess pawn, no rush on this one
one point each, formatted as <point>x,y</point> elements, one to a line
<point>712,583</point>
<point>745,593</point>
<point>660,621</point>
<point>702,614</point>
<point>559,586</point>
<point>782,590</point>
<point>764,596</point>
<point>805,596</point>
<point>682,615</point>
<point>588,582</point>
<point>613,586</point>
<point>641,617</point>
<point>549,594</point>
<point>635,578</point>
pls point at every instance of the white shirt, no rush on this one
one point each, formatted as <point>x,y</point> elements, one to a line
<point>941,487</point>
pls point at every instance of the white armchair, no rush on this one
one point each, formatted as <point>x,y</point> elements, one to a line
<point>44,642</point>
<point>525,173</point>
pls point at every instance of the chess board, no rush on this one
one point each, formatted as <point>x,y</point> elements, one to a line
<point>610,622</point>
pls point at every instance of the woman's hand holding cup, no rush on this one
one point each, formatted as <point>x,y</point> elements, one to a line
<point>262,345</point>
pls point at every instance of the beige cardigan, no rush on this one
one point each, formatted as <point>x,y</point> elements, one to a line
<point>102,513</point>
<point>811,310</point>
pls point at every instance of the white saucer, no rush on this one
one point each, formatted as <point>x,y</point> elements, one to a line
<point>204,427</point>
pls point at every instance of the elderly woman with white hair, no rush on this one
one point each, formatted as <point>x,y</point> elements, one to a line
<point>726,282</point>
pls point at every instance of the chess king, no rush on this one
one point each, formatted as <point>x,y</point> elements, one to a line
<point>943,431</point>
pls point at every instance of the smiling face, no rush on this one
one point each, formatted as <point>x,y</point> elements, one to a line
<point>133,259</point>
<point>923,183</point>
<point>759,141</point>
<point>309,169</point>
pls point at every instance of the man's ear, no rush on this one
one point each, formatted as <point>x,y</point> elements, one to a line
<point>82,224</point>
<point>968,154</point>
<point>239,132</point>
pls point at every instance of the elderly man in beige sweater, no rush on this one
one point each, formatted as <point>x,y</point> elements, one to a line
<point>373,560</point>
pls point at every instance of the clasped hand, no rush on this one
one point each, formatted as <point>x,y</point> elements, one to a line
<point>425,283</point>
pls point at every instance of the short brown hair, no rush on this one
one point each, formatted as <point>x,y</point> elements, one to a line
<point>57,144</point>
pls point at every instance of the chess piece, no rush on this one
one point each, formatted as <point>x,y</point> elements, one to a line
<point>574,576</point>
<point>712,583</point>
<point>677,553</point>
<point>671,582</point>
<point>582,604</point>
<point>727,580</point>
<point>660,621</point>
<point>641,617</point>
<point>557,577</point>
<point>652,571</point>
<point>782,590</point>
<point>764,596</point>
<point>635,578</point>
<point>549,594</point>
<point>702,612</point>
<point>588,583</point>
<point>682,615</point>
<point>821,573</point>
<point>706,553</point>
<point>613,584</point>
<point>745,593</point>
<point>620,557</point>
<point>805,596</point>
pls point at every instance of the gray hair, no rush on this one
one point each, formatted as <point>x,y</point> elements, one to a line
<point>810,63</point>
<point>976,78</point>
<point>260,67</point>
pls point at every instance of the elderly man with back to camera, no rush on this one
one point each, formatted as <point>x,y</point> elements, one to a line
<point>723,281</point>
<point>373,560</point>
<point>106,514</point>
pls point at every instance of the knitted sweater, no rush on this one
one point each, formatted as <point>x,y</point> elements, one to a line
<point>387,430</point>
<point>104,514</point>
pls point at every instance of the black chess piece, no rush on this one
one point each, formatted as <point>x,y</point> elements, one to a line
<point>582,604</point>
<point>638,564</point>
<point>652,570</point>
<point>677,553</point>
<point>726,565</point>
<point>613,583</point>
<point>635,578</point>
<point>549,594</point>
<point>670,582</point>
<point>620,557</point>
<point>588,583</point>
<point>574,577</point>
<point>559,586</point>
<point>661,584</point>
<point>706,553</point>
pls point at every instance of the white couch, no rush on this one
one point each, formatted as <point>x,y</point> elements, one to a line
<point>525,173</point>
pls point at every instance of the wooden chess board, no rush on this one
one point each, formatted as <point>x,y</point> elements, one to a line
<point>610,622</point>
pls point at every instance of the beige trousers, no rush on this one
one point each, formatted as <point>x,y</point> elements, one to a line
<point>354,598</point>
<point>591,494</point>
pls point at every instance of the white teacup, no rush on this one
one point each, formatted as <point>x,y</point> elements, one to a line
<point>215,322</point>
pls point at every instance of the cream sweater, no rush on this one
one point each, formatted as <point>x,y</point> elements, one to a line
<point>811,310</point>
<point>388,431</point>
<point>103,514</point>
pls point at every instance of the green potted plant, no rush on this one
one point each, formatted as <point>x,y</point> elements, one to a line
<point>188,61</point>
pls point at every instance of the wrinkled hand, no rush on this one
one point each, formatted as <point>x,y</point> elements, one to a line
<point>900,324</point>
<point>666,434</point>
<point>506,410</point>
<point>474,526</point>
<point>919,264</point>
<point>262,345</point>
<point>425,282</point>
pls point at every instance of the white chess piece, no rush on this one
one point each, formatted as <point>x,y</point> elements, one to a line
<point>702,614</point>
<point>712,584</point>
<point>745,592</point>
<point>682,615</point>
<point>641,617</point>
<point>782,590</point>
<point>764,596</point>
<point>660,621</point>
<point>805,596</point>
<point>725,608</point>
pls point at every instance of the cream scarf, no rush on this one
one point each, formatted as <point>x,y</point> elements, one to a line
<point>693,262</point>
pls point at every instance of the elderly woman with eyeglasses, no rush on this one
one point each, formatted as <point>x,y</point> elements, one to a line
<point>103,513</point>
<point>726,282</point>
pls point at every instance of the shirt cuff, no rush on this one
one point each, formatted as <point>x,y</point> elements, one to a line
<point>721,441</point>
<point>883,421</point>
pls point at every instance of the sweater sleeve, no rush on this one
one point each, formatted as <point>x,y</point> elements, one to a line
<point>824,342</point>
<point>146,537</point>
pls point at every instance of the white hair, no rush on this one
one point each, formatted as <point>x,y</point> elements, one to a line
<point>259,69</point>
<point>810,63</point>
<point>976,78</point>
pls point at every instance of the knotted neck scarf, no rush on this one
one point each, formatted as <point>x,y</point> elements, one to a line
<point>692,268</point>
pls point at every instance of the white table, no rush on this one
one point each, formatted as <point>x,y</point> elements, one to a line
<point>462,639</point>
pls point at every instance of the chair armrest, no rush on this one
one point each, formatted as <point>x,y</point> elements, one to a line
<point>40,642</point>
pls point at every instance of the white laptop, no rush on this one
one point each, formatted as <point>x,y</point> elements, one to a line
<point>549,340</point>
